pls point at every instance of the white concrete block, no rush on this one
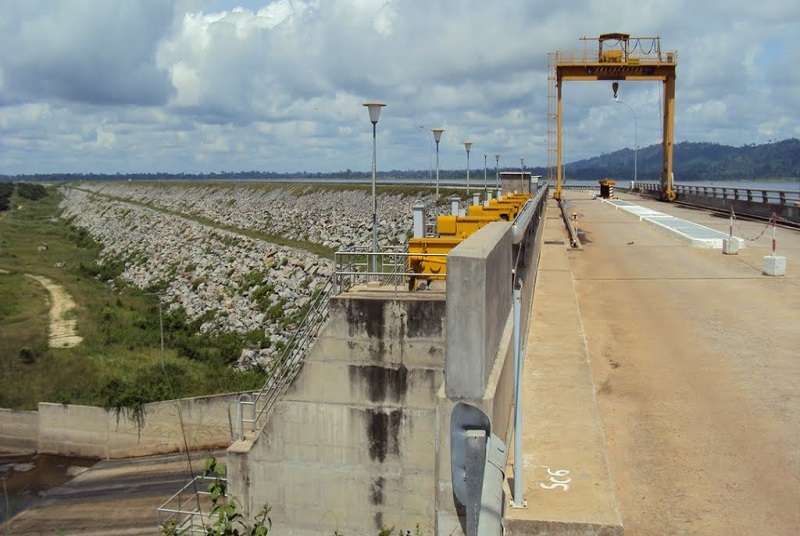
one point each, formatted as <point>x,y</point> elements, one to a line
<point>730,246</point>
<point>774,265</point>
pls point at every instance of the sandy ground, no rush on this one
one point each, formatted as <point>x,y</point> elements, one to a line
<point>63,329</point>
<point>695,357</point>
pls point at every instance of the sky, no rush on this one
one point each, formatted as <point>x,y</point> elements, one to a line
<point>216,85</point>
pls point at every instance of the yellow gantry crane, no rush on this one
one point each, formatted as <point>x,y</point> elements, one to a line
<point>616,56</point>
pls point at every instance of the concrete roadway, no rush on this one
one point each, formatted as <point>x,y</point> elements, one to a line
<point>696,361</point>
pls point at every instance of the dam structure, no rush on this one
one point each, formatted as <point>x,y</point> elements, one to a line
<point>360,441</point>
<point>626,339</point>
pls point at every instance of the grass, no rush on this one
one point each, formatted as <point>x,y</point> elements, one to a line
<point>119,364</point>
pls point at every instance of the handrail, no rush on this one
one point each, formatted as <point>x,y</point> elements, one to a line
<point>187,512</point>
<point>753,195</point>
<point>284,370</point>
<point>521,223</point>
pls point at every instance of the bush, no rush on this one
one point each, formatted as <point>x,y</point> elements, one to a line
<point>185,336</point>
<point>6,189</point>
<point>154,382</point>
<point>26,355</point>
<point>34,192</point>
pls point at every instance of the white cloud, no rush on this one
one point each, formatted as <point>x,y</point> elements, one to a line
<point>279,85</point>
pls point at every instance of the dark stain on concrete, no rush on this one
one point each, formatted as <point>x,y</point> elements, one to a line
<point>377,351</point>
<point>383,432</point>
<point>379,521</point>
<point>376,491</point>
<point>366,315</point>
<point>381,383</point>
<point>425,318</point>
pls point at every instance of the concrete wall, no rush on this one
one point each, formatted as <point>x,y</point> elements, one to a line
<point>497,397</point>
<point>478,306</point>
<point>18,430</point>
<point>89,431</point>
<point>352,446</point>
<point>361,440</point>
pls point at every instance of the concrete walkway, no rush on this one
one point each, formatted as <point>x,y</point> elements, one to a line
<point>567,482</point>
<point>696,357</point>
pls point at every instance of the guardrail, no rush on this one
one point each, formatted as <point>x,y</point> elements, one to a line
<point>283,370</point>
<point>394,268</point>
<point>590,55</point>
<point>752,195</point>
<point>187,510</point>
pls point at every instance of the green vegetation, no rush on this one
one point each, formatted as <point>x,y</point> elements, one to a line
<point>224,518</point>
<point>119,363</point>
<point>697,161</point>
<point>6,189</point>
<point>33,192</point>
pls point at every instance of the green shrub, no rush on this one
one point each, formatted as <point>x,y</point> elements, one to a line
<point>34,192</point>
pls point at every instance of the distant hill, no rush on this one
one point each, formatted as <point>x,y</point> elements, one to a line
<point>693,161</point>
<point>697,161</point>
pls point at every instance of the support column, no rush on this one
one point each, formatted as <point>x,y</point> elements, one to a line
<point>667,191</point>
<point>559,136</point>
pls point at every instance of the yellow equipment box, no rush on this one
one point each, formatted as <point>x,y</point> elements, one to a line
<point>461,226</point>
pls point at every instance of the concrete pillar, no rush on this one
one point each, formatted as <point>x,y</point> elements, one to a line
<point>418,211</point>
<point>454,205</point>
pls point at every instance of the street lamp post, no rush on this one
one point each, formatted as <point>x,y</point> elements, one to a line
<point>497,170</point>
<point>468,146</point>
<point>522,171</point>
<point>485,183</point>
<point>635,139</point>
<point>437,136</point>
<point>374,115</point>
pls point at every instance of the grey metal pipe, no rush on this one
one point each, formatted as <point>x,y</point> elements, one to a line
<point>518,500</point>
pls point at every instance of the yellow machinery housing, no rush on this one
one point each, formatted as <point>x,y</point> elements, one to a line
<point>428,255</point>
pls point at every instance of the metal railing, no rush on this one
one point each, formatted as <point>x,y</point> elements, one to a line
<point>282,371</point>
<point>752,195</point>
<point>188,509</point>
<point>590,55</point>
<point>394,267</point>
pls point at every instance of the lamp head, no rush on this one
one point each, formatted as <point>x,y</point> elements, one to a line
<point>374,110</point>
<point>437,134</point>
<point>468,145</point>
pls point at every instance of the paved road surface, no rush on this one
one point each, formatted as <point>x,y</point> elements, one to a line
<point>696,359</point>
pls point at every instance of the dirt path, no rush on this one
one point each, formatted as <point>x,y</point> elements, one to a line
<point>695,357</point>
<point>63,328</point>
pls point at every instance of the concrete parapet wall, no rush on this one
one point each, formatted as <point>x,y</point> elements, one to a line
<point>19,430</point>
<point>94,432</point>
<point>478,306</point>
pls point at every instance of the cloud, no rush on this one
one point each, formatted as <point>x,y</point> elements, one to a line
<point>213,85</point>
